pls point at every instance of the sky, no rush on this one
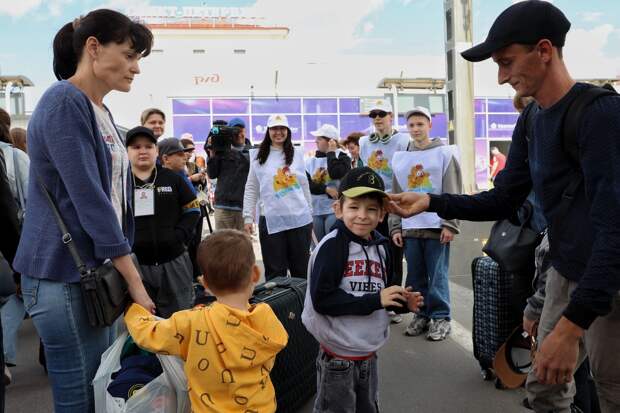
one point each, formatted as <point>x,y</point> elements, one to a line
<point>366,27</point>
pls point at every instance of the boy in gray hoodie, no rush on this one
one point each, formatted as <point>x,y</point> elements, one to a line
<point>426,238</point>
<point>349,291</point>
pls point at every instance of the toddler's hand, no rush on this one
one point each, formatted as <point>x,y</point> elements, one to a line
<point>392,296</point>
<point>414,299</point>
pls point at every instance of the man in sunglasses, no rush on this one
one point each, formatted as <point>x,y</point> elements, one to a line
<point>376,152</point>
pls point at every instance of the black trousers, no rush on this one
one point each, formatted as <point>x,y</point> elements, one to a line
<point>286,250</point>
<point>396,253</point>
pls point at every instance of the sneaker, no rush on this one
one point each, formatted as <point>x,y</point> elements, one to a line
<point>438,330</point>
<point>395,318</point>
<point>417,326</point>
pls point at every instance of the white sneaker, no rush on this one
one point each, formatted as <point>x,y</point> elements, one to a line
<point>395,318</point>
<point>438,330</point>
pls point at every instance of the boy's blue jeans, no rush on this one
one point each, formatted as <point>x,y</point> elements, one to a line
<point>345,386</point>
<point>72,347</point>
<point>321,225</point>
<point>427,272</point>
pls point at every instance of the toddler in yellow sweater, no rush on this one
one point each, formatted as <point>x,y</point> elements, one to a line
<point>229,347</point>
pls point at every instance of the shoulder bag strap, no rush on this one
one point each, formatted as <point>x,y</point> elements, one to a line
<point>66,236</point>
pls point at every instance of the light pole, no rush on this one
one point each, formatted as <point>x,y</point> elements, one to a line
<point>460,87</point>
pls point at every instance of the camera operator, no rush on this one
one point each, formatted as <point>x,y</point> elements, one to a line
<point>229,163</point>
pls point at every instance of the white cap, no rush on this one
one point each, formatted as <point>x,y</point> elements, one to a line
<point>187,136</point>
<point>419,110</point>
<point>277,120</point>
<point>326,130</point>
<point>381,104</point>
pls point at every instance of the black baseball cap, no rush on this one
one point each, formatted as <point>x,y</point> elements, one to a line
<point>513,360</point>
<point>526,22</point>
<point>361,181</point>
<point>139,131</point>
<point>170,146</point>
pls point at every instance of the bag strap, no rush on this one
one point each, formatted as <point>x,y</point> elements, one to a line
<point>571,123</point>
<point>529,113</point>
<point>573,118</point>
<point>66,235</point>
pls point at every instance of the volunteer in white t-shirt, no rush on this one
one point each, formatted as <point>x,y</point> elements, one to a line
<point>277,183</point>
<point>324,171</point>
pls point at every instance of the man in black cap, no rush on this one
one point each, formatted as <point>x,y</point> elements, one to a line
<point>578,185</point>
<point>166,212</point>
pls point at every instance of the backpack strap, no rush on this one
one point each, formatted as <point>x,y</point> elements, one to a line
<point>571,123</point>
<point>529,113</point>
<point>573,119</point>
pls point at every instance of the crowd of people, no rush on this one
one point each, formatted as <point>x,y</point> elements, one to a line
<point>343,218</point>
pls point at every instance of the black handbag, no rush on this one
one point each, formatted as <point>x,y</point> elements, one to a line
<point>513,246</point>
<point>104,290</point>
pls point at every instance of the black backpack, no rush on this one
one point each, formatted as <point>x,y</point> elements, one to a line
<point>571,123</point>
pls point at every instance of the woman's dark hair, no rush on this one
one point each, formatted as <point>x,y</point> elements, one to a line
<point>265,146</point>
<point>5,126</point>
<point>106,26</point>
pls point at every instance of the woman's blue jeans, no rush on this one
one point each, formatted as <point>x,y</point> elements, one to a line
<point>72,347</point>
<point>427,272</point>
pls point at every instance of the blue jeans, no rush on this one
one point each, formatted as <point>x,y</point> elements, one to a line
<point>72,347</point>
<point>427,272</point>
<point>321,225</point>
<point>12,313</point>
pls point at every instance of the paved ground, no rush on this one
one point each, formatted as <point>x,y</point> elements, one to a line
<point>415,375</point>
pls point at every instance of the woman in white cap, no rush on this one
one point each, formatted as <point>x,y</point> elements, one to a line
<point>277,179</point>
<point>324,171</point>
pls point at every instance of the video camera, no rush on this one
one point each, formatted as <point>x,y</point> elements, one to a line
<point>221,137</point>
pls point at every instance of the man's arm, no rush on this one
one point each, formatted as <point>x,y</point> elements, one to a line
<point>599,144</point>
<point>512,185</point>
<point>214,165</point>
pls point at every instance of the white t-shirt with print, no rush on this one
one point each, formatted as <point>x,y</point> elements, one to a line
<point>120,160</point>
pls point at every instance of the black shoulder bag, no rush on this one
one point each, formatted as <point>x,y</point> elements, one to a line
<point>512,246</point>
<point>104,290</point>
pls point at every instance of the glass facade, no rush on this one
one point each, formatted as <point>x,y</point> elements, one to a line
<point>494,119</point>
<point>305,114</point>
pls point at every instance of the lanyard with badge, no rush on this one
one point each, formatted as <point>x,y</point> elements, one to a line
<point>144,198</point>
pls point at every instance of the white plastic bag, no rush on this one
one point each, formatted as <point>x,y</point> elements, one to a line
<point>165,394</point>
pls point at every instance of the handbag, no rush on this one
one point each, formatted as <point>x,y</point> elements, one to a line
<point>104,290</point>
<point>513,246</point>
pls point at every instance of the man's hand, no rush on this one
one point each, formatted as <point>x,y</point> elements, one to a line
<point>332,145</point>
<point>528,325</point>
<point>446,235</point>
<point>393,296</point>
<point>397,238</point>
<point>408,204</point>
<point>249,229</point>
<point>332,192</point>
<point>414,299</point>
<point>556,358</point>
